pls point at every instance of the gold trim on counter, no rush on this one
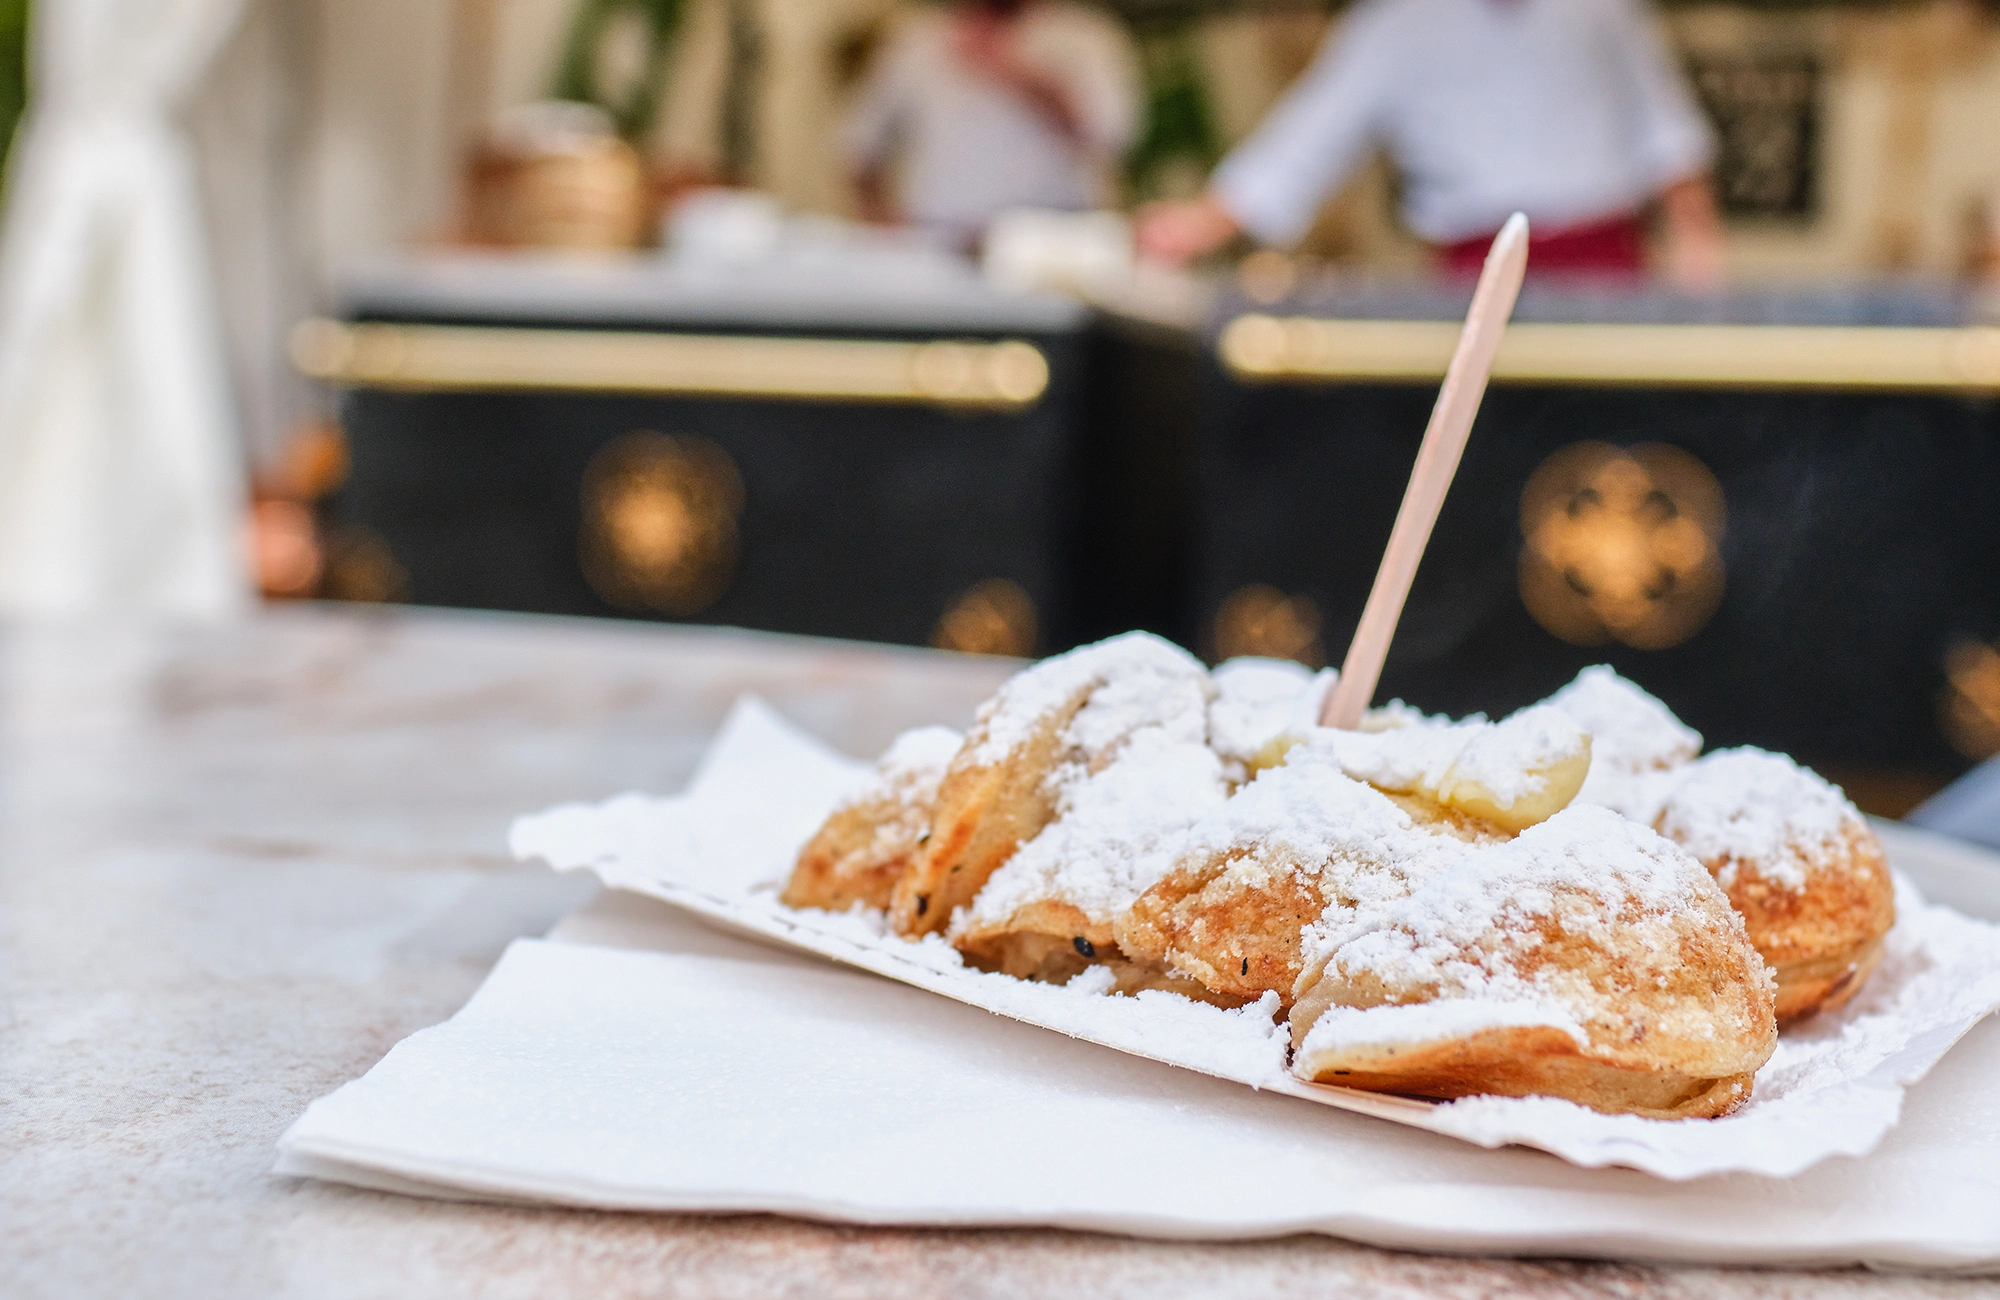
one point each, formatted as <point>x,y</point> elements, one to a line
<point>1273,348</point>
<point>1007,375</point>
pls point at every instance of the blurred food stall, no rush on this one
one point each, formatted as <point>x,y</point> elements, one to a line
<point>669,309</point>
<point>1777,508</point>
<point>877,447</point>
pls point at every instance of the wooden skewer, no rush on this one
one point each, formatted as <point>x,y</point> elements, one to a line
<point>1437,461</point>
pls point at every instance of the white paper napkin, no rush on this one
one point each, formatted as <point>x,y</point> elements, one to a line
<point>732,1079</point>
<point>1834,1087</point>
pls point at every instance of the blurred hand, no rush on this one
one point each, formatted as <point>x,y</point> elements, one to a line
<point>1181,231</point>
<point>1696,249</point>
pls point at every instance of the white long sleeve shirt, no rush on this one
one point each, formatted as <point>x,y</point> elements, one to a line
<point>1568,110</point>
<point>970,148</point>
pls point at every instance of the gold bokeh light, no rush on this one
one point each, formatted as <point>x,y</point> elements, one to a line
<point>660,522</point>
<point>1971,705</point>
<point>1261,620</point>
<point>1622,544</point>
<point>994,617</point>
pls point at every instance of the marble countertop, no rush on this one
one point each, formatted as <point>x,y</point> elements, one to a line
<point>238,863</point>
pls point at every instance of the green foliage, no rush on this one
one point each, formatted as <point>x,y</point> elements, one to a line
<point>1180,132</point>
<point>577,77</point>
<point>13,69</point>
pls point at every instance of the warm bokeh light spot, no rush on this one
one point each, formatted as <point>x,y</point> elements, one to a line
<point>1622,544</point>
<point>1261,620</point>
<point>994,617</point>
<point>660,522</point>
<point>1971,705</point>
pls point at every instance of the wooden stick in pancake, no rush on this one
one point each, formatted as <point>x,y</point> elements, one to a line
<point>1437,461</point>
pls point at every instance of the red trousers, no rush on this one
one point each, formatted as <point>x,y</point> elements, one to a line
<point>1611,245</point>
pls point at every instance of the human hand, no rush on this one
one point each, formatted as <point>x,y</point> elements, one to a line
<point>1181,231</point>
<point>1696,254</point>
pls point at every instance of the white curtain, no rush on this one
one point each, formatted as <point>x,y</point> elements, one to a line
<point>121,480</point>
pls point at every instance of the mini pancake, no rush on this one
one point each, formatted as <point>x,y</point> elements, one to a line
<point>1053,905</point>
<point>870,840</point>
<point>1798,862</point>
<point>1050,726</point>
<point>1588,959</point>
<point>1255,872</point>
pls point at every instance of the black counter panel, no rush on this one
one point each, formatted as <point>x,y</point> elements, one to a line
<point>855,520</point>
<point>1862,540</point>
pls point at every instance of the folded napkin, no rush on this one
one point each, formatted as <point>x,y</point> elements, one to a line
<point>685,1070</point>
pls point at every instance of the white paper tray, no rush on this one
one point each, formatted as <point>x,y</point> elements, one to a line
<point>1833,1089</point>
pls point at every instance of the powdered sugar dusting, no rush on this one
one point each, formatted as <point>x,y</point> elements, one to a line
<point>1463,934</point>
<point>1633,737</point>
<point>1131,681</point>
<point>921,755</point>
<point>1747,806</point>
<point>1509,760</point>
<point>1364,844</point>
<point>1341,1029</point>
<point>1257,702</point>
<point>1118,831</point>
<point>1400,759</point>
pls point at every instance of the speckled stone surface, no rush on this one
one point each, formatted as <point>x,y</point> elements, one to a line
<point>237,864</point>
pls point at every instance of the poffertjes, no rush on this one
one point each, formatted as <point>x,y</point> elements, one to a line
<point>1796,858</point>
<point>1051,725</point>
<point>1567,902</point>
<point>870,840</point>
<point>1588,959</point>
<point>1798,862</point>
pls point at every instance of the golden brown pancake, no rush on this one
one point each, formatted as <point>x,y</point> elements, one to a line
<point>1118,831</point>
<point>870,840</point>
<point>1050,726</point>
<point>1268,863</point>
<point>1798,862</point>
<point>1588,959</point>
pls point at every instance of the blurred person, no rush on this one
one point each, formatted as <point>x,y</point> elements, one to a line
<point>987,105</point>
<point>1572,111</point>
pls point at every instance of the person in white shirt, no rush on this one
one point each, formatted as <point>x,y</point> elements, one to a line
<point>988,105</point>
<point>1572,111</point>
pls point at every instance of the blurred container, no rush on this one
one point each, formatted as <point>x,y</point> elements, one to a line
<point>1030,250</point>
<point>724,227</point>
<point>555,175</point>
